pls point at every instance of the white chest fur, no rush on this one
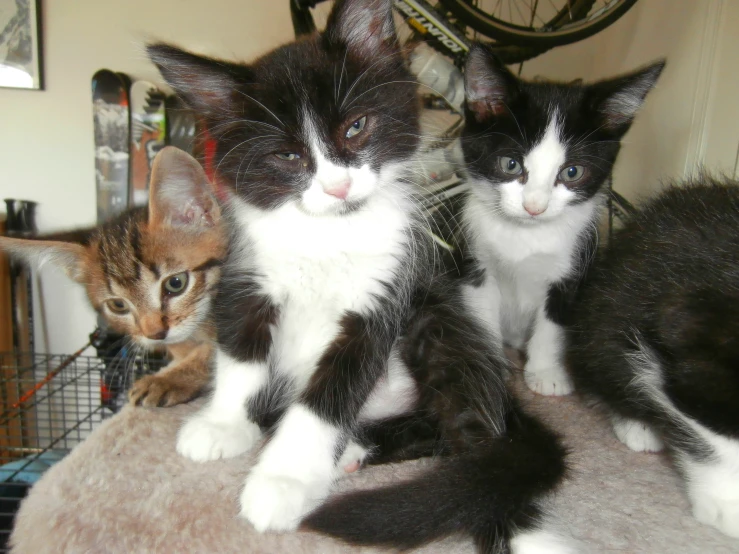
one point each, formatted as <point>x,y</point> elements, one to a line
<point>317,268</point>
<point>525,258</point>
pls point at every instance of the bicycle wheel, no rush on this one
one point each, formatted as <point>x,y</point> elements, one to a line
<point>537,23</point>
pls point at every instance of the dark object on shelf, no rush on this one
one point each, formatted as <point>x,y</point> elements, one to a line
<point>21,222</point>
<point>21,217</point>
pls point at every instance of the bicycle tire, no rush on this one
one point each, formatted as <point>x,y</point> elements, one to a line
<point>514,35</point>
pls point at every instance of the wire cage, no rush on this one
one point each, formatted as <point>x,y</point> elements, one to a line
<point>50,404</point>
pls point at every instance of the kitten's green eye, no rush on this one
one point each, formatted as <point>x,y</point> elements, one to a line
<point>356,127</point>
<point>117,306</point>
<point>571,174</point>
<point>288,156</point>
<point>175,284</point>
<point>510,166</point>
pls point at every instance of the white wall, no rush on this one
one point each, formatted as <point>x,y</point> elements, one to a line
<point>46,138</point>
<point>46,148</point>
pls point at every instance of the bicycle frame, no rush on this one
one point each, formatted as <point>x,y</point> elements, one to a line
<point>419,15</point>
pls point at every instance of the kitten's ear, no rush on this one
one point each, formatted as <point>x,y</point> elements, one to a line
<point>205,84</point>
<point>488,85</point>
<point>68,256</point>
<point>180,194</point>
<point>365,26</point>
<point>617,100</point>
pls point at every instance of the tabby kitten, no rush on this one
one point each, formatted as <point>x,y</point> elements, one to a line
<point>326,317</point>
<point>151,273</point>
<point>539,155</point>
<point>655,339</point>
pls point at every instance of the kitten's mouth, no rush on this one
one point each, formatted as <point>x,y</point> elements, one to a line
<point>343,207</point>
<point>530,219</point>
<point>153,343</point>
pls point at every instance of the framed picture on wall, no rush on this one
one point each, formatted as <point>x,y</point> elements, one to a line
<point>20,44</point>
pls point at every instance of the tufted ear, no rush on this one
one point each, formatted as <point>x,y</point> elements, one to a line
<point>180,194</point>
<point>206,85</point>
<point>489,86</point>
<point>68,256</point>
<point>618,100</point>
<point>365,26</point>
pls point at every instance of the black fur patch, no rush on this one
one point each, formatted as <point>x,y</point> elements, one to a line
<point>244,318</point>
<point>669,279</point>
<point>561,295</point>
<point>349,369</point>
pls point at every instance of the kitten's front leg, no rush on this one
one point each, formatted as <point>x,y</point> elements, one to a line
<point>222,428</point>
<point>544,371</point>
<point>180,381</point>
<point>297,467</point>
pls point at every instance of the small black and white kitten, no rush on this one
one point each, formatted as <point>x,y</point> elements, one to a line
<point>655,338</point>
<point>539,155</point>
<point>330,311</point>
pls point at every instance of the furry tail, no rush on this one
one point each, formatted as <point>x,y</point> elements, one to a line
<point>648,389</point>
<point>490,493</point>
<point>496,462</point>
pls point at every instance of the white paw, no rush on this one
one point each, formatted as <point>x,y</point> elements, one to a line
<point>549,380</point>
<point>352,458</point>
<point>636,435</point>
<point>202,439</point>
<point>276,503</point>
<point>541,542</point>
<point>717,511</point>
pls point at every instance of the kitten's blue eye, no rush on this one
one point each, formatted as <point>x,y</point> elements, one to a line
<point>117,306</point>
<point>510,166</point>
<point>175,284</point>
<point>571,174</point>
<point>288,156</point>
<point>356,127</point>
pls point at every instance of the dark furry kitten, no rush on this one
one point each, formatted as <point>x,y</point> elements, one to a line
<point>329,314</point>
<point>655,338</point>
<point>539,155</point>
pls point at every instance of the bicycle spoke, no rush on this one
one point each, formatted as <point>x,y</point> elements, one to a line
<point>495,10</point>
<point>523,18</point>
<point>533,13</point>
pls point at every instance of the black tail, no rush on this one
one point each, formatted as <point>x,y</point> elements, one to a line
<point>494,463</point>
<point>487,494</point>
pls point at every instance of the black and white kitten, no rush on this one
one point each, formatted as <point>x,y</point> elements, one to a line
<point>538,156</point>
<point>330,313</point>
<point>655,338</point>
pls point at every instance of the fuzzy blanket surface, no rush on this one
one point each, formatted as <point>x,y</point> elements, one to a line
<point>126,490</point>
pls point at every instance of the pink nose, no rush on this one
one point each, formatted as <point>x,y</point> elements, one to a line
<point>534,211</point>
<point>339,189</point>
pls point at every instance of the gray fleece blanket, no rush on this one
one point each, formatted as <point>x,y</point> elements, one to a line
<point>126,490</point>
